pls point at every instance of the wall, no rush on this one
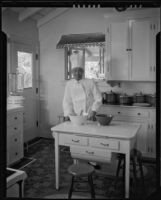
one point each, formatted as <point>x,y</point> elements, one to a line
<point>24,32</point>
<point>76,20</point>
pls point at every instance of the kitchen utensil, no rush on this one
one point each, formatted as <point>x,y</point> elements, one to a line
<point>104,119</point>
<point>125,99</point>
<point>104,97</point>
<point>78,120</point>
<point>139,98</point>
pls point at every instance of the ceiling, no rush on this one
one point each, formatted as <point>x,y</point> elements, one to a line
<point>39,14</point>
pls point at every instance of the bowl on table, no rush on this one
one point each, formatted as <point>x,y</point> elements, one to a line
<point>78,119</point>
<point>104,119</point>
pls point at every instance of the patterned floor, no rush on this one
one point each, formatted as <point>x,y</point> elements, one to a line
<point>40,182</point>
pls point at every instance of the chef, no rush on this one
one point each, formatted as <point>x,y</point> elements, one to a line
<point>81,95</point>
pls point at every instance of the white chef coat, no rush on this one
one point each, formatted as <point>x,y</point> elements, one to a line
<point>80,96</point>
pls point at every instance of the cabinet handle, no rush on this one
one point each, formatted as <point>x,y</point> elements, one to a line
<point>154,68</point>
<point>104,144</point>
<point>75,141</point>
<point>15,128</point>
<point>148,126</point>
<point>119,112</point>
<point>90,152</point>
<point>15,139</point>
<point>148,149</point>
<point>15,118</point>
<point>16,153</point>
<point>139,113</point>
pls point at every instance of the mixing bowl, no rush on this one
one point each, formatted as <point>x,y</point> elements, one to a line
<point>104,119</point>
<point>78,119</point>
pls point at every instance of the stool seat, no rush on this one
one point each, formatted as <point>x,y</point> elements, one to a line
<point>80,169</point>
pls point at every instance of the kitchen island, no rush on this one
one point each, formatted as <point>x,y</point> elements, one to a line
<point>94,142</point>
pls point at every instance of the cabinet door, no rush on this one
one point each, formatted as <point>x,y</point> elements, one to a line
<point>117,54</point>
<point>140,49</point>
<point>154,27</point>
<point>151,140</point>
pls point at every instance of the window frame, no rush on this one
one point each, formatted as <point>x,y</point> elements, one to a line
<point>68,74</point>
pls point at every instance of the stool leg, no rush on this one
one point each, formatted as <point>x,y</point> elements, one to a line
<point>71,188</point>
<point>141,170</point>
<point>118,167</point>
<point>90,180</point>
<point>134,169</point>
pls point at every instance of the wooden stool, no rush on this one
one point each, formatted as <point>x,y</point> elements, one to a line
<point>80,170</point>
<point>135,157</point>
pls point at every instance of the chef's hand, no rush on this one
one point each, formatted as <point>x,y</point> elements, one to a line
<point>92,116</point>
<point>66,118</point>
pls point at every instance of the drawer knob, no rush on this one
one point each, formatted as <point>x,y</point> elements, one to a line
<point>16,153</point>
<point>15,139</point>
<point>107,145</point>
<point>139,113</point>
<point>77,141</point>
<point>15,118</point>
<point>90,152</point>
<point>15,128</point>
<point>119,112</point>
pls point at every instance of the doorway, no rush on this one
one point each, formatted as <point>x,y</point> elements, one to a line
<point>24,61</point>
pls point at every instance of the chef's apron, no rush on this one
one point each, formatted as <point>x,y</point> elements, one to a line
<point>79,98</point>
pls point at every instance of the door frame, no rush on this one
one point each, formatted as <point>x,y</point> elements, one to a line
<point>14,39</point>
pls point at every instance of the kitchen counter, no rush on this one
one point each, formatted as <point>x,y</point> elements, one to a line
<point>130,106</point>
<point>13,107</point>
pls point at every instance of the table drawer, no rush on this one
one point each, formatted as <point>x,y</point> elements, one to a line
<point>14,118</point>
<point>88,153</point>
<point>76,140</point>
<point>104,143</point>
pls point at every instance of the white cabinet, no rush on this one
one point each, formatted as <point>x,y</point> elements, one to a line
<point>130,44</point>
<point>146,136</point>
<point>14,134</point>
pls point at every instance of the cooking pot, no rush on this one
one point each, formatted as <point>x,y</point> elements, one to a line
<point>110,97</point>
<point>139,98</point>
<point>151,98</point>
<point>125,99</point>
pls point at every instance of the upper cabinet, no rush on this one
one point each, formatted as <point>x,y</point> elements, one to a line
<point>130,45</point>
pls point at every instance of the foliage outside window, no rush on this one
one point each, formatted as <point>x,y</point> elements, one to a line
<point>25,67</point>
<point>90,58</point>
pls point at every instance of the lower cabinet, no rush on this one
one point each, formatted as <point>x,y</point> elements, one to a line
<point>146,136</point>
<point>14,135</point>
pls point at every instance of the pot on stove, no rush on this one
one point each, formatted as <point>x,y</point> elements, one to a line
<point>139,98</point>
<point>110,97</point>
<point>151,98</point>
<point>125,99</point>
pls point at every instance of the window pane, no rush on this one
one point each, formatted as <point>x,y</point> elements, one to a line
<point>94,63</point>
<point>25,67</point>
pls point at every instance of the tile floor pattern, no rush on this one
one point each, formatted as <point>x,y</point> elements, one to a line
<point>40,182</point>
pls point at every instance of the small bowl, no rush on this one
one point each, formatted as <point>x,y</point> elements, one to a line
<point>78,120</point>
<point>104,119</point>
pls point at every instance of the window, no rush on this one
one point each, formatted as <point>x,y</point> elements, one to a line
<point>91,58</point>
<point>25,67</point>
